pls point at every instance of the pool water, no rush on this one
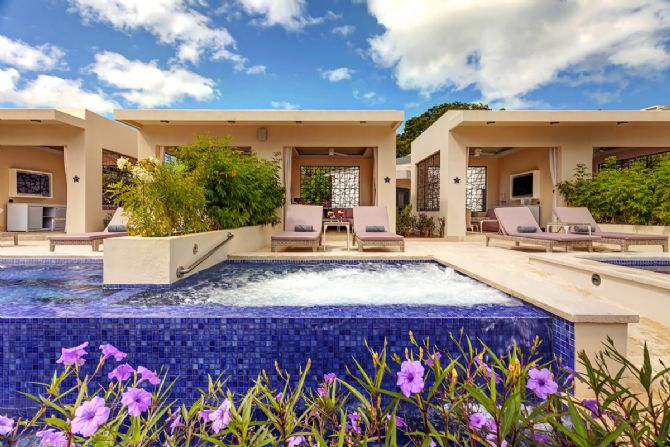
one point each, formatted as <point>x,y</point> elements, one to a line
<point>51,283</point>
<point>334,284</point>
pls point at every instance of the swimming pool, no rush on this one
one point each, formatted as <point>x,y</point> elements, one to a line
<point>658,265</point>
<point>237,318</point>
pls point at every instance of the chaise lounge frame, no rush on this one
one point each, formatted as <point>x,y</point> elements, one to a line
<point>623,240</point>
<point>374,215</point>
<point>549,241</point>
<point>94,239</point>
<point>314,245</point>
<point>13,235</point>
<point>300,215</point>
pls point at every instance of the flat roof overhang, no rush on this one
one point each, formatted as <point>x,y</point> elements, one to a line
<point>155,117</point>
<point>40,117</point>
<point>558,118</point>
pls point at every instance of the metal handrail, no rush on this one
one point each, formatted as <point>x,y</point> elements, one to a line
<point>181,270</point>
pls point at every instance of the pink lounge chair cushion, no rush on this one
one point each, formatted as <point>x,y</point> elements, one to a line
<point>119,218</point>
<point>85,236</point>
<point>580,214</point>
<point>296,236</point>
<point>631,236</point>
<point>303,215</point>
<point>375,236</point>
<point>510,218</point>
<point>559,237</point>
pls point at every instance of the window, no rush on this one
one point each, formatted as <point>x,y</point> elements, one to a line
<point>475,188</point>
<point>111,174</point>
<point>339,185</point>
<point>428,183</point>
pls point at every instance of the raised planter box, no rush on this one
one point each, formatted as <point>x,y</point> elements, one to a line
<point>643,229</point>
<point>135,260</point>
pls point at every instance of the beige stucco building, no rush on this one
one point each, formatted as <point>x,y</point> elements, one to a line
<point>467,159</point>
<point>68,145</point>
<point>360,143</point>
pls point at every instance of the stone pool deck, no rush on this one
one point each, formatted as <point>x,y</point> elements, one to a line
<point>500,265</point>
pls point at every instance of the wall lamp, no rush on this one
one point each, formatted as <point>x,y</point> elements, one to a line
<point>36,121</point>
<point>620,123</point>
<point>490,123</point>
<point>553,123</point>
<point>165,121</point>
<point>231,121</point>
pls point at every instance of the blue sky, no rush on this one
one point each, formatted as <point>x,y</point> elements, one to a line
<point>388,54</point>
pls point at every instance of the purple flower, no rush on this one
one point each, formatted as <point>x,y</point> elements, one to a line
<point>147,375</point>
<point>432,443</point>
<point>329,378</point>
<point>279,396</point>
<point>323,392</point>
<point>52,438</point>
<point>592,405</point>
<point>73,356</point>
<point>541,382</point>
<point>410,377</point>
<point>477,421</point>
<point>541,438</point>
<point>220,417</point>
<point>492,440</point>
<point>89,416</point>
<point>400,422</point>
<point>204,414</point>
<point>6,425</point>
<point>175,421</point>
<point>136,400</point>
<point>121,372</point>
<point>488,370</point>
<point>295,440</point>
<point>431,360</point>
<point>353,422</point>
<point>111,351</point>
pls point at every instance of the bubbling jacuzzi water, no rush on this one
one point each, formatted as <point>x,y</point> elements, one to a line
<point>360,284</point>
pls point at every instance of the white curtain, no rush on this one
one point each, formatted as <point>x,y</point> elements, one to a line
<point>288,158</point>
<point>553,166</point>
<point>374,175</point>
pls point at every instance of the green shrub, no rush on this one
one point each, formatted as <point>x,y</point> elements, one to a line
<point>160,199</point>
<point>241,189</point>
<point>637,195</point>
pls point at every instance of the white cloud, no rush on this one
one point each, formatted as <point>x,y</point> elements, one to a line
<point>370,97</point>
<point>256,69</point>
<point>290,14</point>
<point>146,84</point>
<point>344,30</point>
<point>284,105</point>
<point>174,22</point>
<point>337,74</point>
<point>27,57</point>
<point>508,49</point>
<point>51,91</point>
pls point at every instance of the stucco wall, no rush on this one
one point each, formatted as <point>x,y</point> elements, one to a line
<point>36,159</point>
<point>155,260</point>
<point>296,135</point>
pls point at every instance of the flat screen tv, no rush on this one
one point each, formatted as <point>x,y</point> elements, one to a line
<point>525,185</point>
<point>27,183</point>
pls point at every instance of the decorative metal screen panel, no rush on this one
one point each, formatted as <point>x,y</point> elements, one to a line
<point>475,188</point>
<point>111,174</point>
<point>649,160</point>
<point>428,183</point>
<point>339,186</point>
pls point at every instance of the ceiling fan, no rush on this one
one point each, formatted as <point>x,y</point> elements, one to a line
<point>332,152</point>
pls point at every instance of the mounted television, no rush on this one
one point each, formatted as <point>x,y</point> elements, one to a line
<point>525,185</point>
<point>27,183</point>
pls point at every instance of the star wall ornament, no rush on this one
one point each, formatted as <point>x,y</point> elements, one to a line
<point>387,179</point>
<point>75,179</point>
<point>457,180</point>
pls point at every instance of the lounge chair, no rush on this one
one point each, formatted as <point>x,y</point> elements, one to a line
<point>624,240</point>
<point>518,225</point>
<point>115,228</point>
<point>297,232</point>
<point>371,229</point>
